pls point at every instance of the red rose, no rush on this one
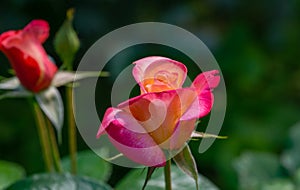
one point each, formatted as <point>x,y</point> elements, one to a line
<point>28,57</point>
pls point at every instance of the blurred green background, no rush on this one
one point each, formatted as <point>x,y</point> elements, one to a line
<point>257,46</point>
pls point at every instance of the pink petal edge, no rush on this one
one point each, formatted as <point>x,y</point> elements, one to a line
<point>39,29</point>
<point>139,147</point>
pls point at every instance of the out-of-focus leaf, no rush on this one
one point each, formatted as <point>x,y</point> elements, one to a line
<point>9,173</point>
<point>51,103</point>
<point>58,182</point>
<point>186,162</point>
<point>89,164</point>
<point>256,168</point>
<point>12,88</point>
<point>10,84</point>
<point>66,42</point>
<point>297,178</point>
<point>279,184</point>
<point>64,77</point>
<point>16,94</point>
<point>291,157</point>
<point>135,180</point>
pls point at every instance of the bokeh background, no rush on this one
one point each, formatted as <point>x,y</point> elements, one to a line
<point>257,46</point>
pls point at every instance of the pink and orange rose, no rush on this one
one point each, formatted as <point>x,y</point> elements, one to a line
<point>162,118</point>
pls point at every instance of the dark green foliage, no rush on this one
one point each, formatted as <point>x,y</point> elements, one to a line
<point>256,44</point>
<point>58,182</point>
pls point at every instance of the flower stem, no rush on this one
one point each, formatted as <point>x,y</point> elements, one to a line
<point>71,130</point>
<point>43,136</point>
<point>55,151</point>
<point>167,171</point>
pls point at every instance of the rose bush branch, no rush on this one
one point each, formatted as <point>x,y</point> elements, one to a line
<point>167,172</point>
<point>43,136</point>
<point>55,151</point>
<point>66,44</point>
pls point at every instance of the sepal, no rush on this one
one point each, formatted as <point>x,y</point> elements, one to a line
<point>186,162</point>
<point>51,103</point>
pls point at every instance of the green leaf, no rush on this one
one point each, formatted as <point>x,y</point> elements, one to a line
<point>291,157</point>
<point>297,178</point>
<point>58,182</point>
<point>279,184</point>
<point>65,77</point>
<point>51,103</point>
<point>66,42</point>
<point>9,173</point>
<point>256,168</point>
<point>12,88</point>
<point>135,180</point>
<point>16,94</point>
<point>186,162</point>
<point>89,164</point>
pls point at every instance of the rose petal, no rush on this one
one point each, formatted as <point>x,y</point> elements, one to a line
<point>156,74</point>
<point>200,106</point>
<point>204,84</point>
<point>108,117</point>
<point>161,111</point>
<point>139,147</point>
<point>152,156</point>
<point>207,80</point>
<point>39,29</point>
<point>182,133</point>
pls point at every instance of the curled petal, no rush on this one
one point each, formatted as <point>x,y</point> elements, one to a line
<point>204,84</point>
<point>139,147</point>
<point>200,106</point>
<point>39,29</point>
<point>156,74</point>
<point>207,81</point>
<point>109,117</point>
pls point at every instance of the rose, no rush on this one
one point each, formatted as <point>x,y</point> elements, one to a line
<point>27,56</point>
<point>162,118</point>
